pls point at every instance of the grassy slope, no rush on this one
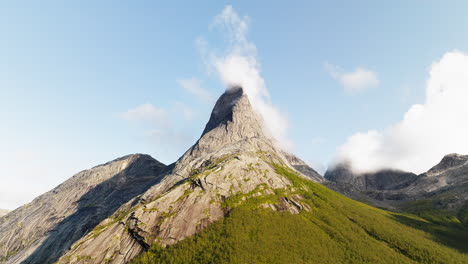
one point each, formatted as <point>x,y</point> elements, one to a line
<point>336,230</point>
<point>448,227</point>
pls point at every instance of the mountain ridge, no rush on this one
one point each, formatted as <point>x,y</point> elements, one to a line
<point>44,228</point>
<point>443,187</point>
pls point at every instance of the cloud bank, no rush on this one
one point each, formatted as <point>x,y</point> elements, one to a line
<point>427,131</point>
<point>356,81</point>
<point>239,66</point>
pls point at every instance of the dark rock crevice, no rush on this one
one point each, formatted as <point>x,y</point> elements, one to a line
<point>134,231</point>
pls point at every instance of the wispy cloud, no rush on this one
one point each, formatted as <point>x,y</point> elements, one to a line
<point>158,123</point>
<point>426,132</point>
<point>146,112</point>
<point>239,66</point>
<point>194,87</point>
<point>355,81</point>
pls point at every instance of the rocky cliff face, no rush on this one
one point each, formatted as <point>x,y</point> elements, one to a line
<point>232,157</point>
<point>444,186</point>
<point>449,162</point>
<point>41,231</point>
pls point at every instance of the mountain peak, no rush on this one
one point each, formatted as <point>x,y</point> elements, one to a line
<point>234,112</point>
<point>233,119</point>
<point>449,161</point>
<point>223,109</point>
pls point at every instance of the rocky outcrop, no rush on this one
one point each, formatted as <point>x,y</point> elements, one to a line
<point>232,159</point>
<point>41,231</point>
<point>449,162</point>
<point>303,168</point>
<point>444,185</point>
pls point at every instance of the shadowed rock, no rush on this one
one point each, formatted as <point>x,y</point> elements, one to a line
<point>380,180</point>
<point>223,110</point>
<point>41,231</point>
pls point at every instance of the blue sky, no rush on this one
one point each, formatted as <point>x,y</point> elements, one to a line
<point>70,71</point>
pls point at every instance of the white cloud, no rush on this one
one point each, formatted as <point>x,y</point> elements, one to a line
<point>193,86</point>
<point>427,131</point>
<point>158,124</point>
<point>239,66</point>
<point>358,80</point>
<point>146,112</point>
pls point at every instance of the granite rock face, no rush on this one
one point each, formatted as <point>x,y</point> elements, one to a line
<point>41,231</point>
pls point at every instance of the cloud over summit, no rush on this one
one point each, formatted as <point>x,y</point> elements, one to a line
<point>239,66</point>
<point>427,131</point>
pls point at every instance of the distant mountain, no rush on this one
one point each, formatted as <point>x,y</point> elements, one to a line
<point>3,212</point>
<point>443,188</point>
<point>380,180</point>
<point>233,197</point>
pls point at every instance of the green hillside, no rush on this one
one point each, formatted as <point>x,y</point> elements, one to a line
<point>335,230</point>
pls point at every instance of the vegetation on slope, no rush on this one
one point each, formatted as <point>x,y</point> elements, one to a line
<point>335,230</point>
<point>447,226</point>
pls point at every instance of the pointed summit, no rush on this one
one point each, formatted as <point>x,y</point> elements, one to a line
<point>233,120</point>
<point>449,161</point>
<point>223,109</point>
<point>234,114</point>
